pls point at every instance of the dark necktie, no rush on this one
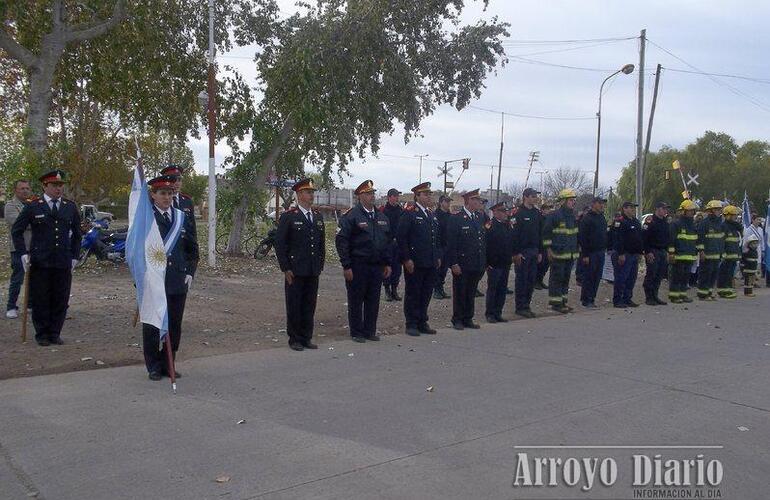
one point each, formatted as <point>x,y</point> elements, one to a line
<point>368,214</point>
<point>309,217</point>
<point>168,219</point>
<point>54,209</point>
<point>176,202</point>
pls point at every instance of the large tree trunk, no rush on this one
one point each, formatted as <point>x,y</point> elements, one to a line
<point>40,95</point>
<point>239,215</point>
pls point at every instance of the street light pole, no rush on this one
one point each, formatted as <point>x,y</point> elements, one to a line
<point>626,70</point>
<point>212,214</point>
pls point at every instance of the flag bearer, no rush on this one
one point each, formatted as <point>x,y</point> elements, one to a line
<point>181,201</point>
<point>181,261</point>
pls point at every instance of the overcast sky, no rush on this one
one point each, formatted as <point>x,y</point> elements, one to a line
<point>714,36</point>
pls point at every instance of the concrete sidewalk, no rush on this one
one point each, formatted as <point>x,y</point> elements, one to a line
<point>357,421</point>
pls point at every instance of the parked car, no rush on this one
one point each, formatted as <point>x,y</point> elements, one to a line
<point>92,213</point>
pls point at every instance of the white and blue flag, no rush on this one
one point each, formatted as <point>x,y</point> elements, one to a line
<point>767,237</point>
<point>146,254</point>
<point>745,212</point>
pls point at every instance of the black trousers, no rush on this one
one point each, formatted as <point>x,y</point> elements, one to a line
<point>497,286</point>
<point>656,271</point>
<point>418,289</point>
<point>49,290</point>
<point>301,297</point>
<point>558,281</point>
<point>441,276</point>
<point>542,268</point>
<point>364,298</point>
<point>707,277</point>
<point>592,276</point>
<point>526,277</point>
<point>395,266</point>
<point>155,358</point>
<point>464,295</point>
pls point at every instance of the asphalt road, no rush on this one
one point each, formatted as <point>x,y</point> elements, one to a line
<point>358,422</point>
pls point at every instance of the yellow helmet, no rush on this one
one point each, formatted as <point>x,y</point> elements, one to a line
<point>567,193</point>
<point>688,205</point>
<point>714,204</point>
<point>731,210</point>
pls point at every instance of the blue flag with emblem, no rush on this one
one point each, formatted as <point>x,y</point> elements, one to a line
<point>767,237</point>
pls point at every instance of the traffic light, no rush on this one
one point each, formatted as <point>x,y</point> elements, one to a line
<point>466,163</point>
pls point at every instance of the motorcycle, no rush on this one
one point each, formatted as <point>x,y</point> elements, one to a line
<point>103,243</point>
<point>267,243</point>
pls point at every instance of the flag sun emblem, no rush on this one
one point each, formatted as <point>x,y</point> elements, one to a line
<point>158,256</point>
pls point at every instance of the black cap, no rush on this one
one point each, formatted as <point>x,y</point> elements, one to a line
<point>627,204</point>
<point>393,192</point>
<point>661,204</point>
<point>530,192</point>
<point>443,198</point>
<point>599,199</point>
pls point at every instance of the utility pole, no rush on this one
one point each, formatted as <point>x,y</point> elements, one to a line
<point>533,157</point>
<point>652,117</point>
<point>420,157</point>
<point>212,215</point>
<point>500,160</point>
<point>640,125</point>
<point>542,185</point>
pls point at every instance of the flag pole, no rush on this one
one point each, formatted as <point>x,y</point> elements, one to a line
<point>25,306</point>
<point>170,359</point>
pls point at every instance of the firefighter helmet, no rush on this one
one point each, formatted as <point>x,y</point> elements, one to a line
<point>688,205</point>
<point>567,193</point>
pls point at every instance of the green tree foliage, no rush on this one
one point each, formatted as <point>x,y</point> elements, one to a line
<point>724,169</point>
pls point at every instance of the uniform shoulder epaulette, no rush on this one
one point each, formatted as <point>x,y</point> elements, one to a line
<point>293,209</point>
<point>32,199</point>
<point>346,211</point>
<point>183,195</point>
<point>67,200</point>
<point>410,208</point>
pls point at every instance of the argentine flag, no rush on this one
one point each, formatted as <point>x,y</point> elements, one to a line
<point>745,212</point>
<point>146,257</point>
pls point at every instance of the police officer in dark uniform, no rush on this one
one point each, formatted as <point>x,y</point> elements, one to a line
<point>499,244</point>
<point>54,249</point>
<point>527,225</point>
<point>592,237</point>
<point>180,269</point>
<point>442,216</point>
<point>467,258</point>
<point>393,210</point>
<point>181,201</point>
<point>627,246</point>
<point>362,242</point>
<point>301,248</point>
<point>419,237</point>
<point>655,238</point>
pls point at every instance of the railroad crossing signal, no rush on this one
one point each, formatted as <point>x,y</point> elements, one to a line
<point>692,179</point>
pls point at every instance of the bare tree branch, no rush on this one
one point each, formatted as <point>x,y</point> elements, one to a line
<point>16,51</point>
<point>86,31</point>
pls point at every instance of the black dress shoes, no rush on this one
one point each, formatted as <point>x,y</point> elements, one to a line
<point>296,346</point>
<point>471,325</point>
<point>155,376</point>
<point>309,345</point>
<point>360,340</point>
<point>426,329</point>
<point>374,337</point>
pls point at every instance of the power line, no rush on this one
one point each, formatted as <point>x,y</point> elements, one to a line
<point>535,117</point>
<point>723,75</point>
<point>569,49</point>
<point>732,89</point>
<point>555,42</point>
<point>476,164</point>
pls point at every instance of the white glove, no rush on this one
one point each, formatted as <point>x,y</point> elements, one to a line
<point>74,263</point>
<point>25,262</point>
<point>188,282</point>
